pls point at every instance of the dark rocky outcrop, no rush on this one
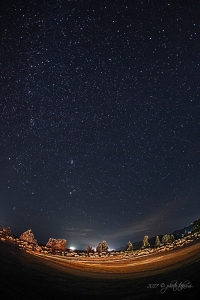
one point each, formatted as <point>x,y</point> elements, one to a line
<point>56,244</point>
<point>6,231</point>
<point>90,250</point>
<point>28,236</point>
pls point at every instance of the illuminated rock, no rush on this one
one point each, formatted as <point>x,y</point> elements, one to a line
<point>129,246</point>
<point>38,249</point>
<point>102,247</point>
<point>157,241</point>
<point>28,236</point>
<point>145,242</point>
<point>56,244</point>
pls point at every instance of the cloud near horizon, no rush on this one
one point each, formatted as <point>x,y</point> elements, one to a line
<point>77,231</point>
<point>161,222</point>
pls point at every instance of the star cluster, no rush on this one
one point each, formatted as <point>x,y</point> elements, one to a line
<point>100,126</point>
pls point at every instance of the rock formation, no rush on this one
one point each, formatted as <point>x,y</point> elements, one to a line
<point>196,225</point>
<point>7,231</point>
<point>99,248</point>
<point>90,250</point>
<point>28,236</point>
<point>145,242</point>
<point>157,241</point>
<point>167,238</point>
<point>56,244</point>
<point>129,246</point>
<point>102,247</point>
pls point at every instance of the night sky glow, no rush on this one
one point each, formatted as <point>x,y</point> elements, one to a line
<point>99,119</point>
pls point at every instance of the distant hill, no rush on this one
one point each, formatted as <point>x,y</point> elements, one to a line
<point>177,234</point>
<point>180,232</point>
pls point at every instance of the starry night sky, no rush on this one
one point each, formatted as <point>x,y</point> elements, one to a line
<point>100,119</point>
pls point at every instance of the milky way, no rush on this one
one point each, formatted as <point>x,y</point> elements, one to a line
<point>100,119</point>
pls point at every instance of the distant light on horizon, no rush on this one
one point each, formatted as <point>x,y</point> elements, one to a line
<point>111,249</point>
<point>72,248</point>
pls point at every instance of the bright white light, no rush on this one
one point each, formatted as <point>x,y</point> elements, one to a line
<point>72,248</point>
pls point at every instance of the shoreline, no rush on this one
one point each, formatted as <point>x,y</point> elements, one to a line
<point>43,277</point>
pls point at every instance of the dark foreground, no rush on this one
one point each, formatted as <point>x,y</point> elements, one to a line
<point>24,276</point>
